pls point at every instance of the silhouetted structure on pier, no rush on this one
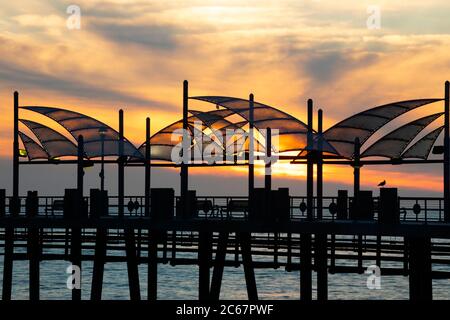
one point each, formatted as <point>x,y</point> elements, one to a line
<point>309,233</point>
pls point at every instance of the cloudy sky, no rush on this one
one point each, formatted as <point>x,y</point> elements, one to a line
<point>135,54</point>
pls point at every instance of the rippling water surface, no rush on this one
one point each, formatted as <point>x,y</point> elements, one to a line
<point>180,282</point>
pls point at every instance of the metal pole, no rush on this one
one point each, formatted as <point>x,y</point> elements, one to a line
<point>130,245</point>
<point>76,232</point>
<point>152,276</point>
<point>356,204</point>
<point>102,171</point>
<point>268,175</point>
<point>305,238</point>
<point>147,167</point>
<point>16,154</point>
<point>184,166</point>
<point>310,164</point>
<point>251,166</point>
<point>319,165</point>
<point>447,155</point>
<point>356,170</point>
<point>321,239</point>
<point>14,208</point>
<point>121,173</point>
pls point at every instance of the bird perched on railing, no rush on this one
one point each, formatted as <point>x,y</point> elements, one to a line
<point>382,183</point>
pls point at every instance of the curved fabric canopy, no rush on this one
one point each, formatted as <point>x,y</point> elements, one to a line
<point>393,144</point>
<point>421,149</point>
<point>167,138</point>
<point>94,132</point>
<point>365,124</point>
<point>33,149</point>
<point>291,131</point>
<point>54,143</point>
<point>215,120</point>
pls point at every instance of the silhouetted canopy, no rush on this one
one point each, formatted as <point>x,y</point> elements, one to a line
<point>365,124</point>
<point>200,122</point>
<point>421,149</point>
<point>289,131</point>
<point>92,131</point>
<point>393,144</point>
<point>53,142</point>
<point>210,131</point>
<point>33,149</point>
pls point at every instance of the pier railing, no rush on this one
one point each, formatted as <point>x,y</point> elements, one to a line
<point>420,209</point>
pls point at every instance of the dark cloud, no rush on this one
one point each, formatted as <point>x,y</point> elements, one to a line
<point>150,36</point>
<point>326,67</point>
<point>26,78</point>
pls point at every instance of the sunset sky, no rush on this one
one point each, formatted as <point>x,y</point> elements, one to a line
<point>135,54</point>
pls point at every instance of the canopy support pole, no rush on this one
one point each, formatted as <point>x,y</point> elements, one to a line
<point>356,169</point>
<point>447,155</point>
<point>305,238</point>
<point>147,167</point>
<point>14,208</point>
<point>130,244</point>
<point>76,245</point>
<point>121,172</point>
<point>184,165</point>
<point>321,239</point>
<point>356,189</point>
<point>152,272</point>
<point>251,166</point>
<point>268,173</point>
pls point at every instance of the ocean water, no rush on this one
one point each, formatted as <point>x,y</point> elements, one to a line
<point>181,283</point>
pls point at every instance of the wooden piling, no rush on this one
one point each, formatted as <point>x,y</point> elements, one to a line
<point>216,281</point>
<point>99,264</point>
<point>33,246</point>
<point>249,271</point>
<point>204,258</point>
<point>152,280</point>
<point>420,280</point>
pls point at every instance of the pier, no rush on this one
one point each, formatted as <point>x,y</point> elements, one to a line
<point>266,228</point>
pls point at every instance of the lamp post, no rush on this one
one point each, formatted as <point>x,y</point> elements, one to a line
<point>102,132</point>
